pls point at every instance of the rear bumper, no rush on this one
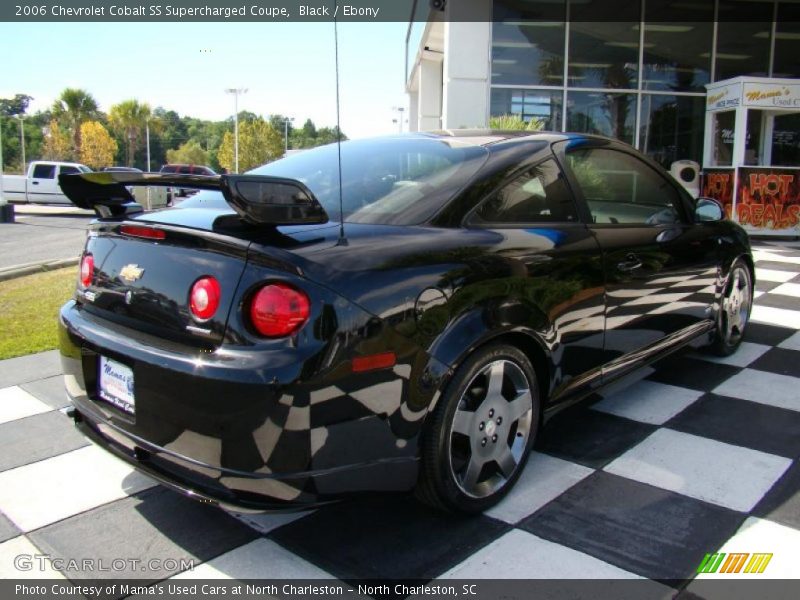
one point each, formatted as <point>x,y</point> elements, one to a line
<point>242,429</point>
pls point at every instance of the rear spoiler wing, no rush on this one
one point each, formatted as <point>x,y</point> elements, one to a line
<point>257,199</point>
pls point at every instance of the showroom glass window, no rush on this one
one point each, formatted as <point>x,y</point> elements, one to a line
<point>671,127</point>
<point>528,46</point>
<point>609,114</point>
<point>743,45</point>
<point>787,41</point>
<point>544,106</point>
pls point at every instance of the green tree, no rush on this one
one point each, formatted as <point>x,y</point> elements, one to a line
<point>189,153</point>
<point>73,107</point>
<point>14,106</point>
<point>97,146</point>
<point>128,119</point>
<point>259,143</point>
<point>514,123</point>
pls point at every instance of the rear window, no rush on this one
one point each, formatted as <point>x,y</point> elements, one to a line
<point>384,181</point>
<point>44,172</point>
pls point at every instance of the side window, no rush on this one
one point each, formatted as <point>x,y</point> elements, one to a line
<point>539,195</point>
<point>185,170</point>
<point>621,189</point>
<point>44,172</point>
<point>69,170</point>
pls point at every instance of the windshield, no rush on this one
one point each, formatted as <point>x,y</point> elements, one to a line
<point>387,181</point>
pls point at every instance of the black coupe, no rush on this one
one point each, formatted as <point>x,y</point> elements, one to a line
<point>390,314</point>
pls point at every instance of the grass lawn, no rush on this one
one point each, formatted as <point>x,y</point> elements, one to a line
<point>29,310</point>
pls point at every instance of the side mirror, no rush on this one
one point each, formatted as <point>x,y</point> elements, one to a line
<point>708,210</point>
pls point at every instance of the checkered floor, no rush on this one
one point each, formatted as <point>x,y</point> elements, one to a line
<point>697,455</point>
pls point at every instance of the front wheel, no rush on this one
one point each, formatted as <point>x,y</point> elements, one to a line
<point>482,431</point>
<point>734,311</point>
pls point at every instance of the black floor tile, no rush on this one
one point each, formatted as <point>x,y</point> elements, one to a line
<point>156,523</point>
<point>768,335</point>
<point>766,286</point>
<point>392,537</point>
<point>778,301</point>
<point>776,266</point>
<point>782,503</point>
<point>779,360</point>
<point>50,391</point>
<point>692,373</point>
<point>590,437</point>
<point>7,529</point>
<point>742,423</point>
<point>640,528</point>
<point>37,437</point>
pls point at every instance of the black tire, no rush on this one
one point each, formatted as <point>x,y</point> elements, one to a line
<point>733,315</point>
<point>479,421</point>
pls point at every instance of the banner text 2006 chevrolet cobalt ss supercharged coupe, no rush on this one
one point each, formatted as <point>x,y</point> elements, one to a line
<point>271,344</point>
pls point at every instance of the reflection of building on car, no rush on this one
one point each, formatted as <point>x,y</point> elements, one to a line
<point>393,313</point>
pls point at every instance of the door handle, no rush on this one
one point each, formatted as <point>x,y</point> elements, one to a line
<point>35,182</point>
<point>631,263</point>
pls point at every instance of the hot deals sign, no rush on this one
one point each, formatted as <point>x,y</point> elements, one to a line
<point>767,199</point>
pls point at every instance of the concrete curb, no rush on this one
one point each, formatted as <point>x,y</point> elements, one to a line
<point>37,267</point>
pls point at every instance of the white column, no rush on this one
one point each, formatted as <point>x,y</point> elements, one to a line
<point>413,111</point>
<point>430,93</point>
<point>467,69</point>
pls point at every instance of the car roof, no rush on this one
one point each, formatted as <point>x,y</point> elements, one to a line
<point>489,137</point>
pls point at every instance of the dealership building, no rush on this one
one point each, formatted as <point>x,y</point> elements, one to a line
<point>641,79</point>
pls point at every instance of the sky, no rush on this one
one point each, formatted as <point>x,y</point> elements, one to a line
<point>287,68</point>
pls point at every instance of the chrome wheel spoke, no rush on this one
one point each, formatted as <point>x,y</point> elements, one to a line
<point>472,472</point>
<point>506,462</point>
<point>519,406</point>
<point>495,389</point>
<point>463,422</point>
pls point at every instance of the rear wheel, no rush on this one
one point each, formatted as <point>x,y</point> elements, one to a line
<point>482,431</point>
<point>734,312</point>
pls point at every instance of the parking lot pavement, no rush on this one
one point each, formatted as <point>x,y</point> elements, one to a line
<point>41,236</point>
<point>697,456</point>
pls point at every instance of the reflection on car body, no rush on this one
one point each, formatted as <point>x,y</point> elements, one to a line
<point>481,282</point>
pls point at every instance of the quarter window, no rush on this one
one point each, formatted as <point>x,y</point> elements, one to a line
<point>621,189</point>
<point>65,170</point>
<point>539,195</point>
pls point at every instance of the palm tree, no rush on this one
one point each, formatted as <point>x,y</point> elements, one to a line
<point>74,106</point>
<point>129,118</point>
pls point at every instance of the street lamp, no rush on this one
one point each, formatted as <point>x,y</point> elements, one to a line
<point>236,92</point>
<point>22,140</point>
<point>399,110</point>
<point>286,122</point>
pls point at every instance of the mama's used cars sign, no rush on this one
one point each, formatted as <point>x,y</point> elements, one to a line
<point>771,95</point>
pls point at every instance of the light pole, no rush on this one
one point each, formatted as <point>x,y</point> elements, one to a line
<point>399,110</point>
<point>22,140</point>
<point>286,122</point>
<point>147,137</point>
<point>236,92</point>
<point>2,196</point>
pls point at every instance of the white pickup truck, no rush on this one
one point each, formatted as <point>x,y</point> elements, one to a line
<point>40,185</point>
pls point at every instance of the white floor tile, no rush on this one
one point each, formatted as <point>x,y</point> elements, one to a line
<point>521,555</point>
<point>792,342</point>
<point>264,523</point>
<point>773,275</point>
<point>50,490</point>
<point>20,559</point>
<point>780,317</point>
<point>772,256</point>
<point>705,469</point>
<point>762,387</point>
<point>763,536</point>
<point>544,478</point>
<point>746,354</point>
<point>648,402</point>
<point>788,289</point>
<point>16,403</point>
<point>260,559</point>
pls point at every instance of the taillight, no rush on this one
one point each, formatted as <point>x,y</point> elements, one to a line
<point>204,298</point>
<point>143,232</point>
<point>87,270</point>
<point>278,310</point>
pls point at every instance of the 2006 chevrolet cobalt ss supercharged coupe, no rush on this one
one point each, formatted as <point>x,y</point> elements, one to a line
<point>307,330</point>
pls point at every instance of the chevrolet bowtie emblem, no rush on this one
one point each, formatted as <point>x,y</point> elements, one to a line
<point>131,273</point>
